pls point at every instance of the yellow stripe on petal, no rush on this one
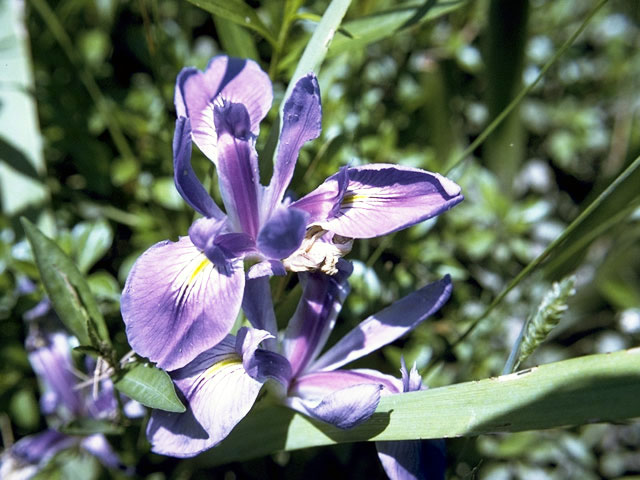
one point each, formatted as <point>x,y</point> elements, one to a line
<point>351,198</point>
<point>227,362</point>
<point>198,269</point>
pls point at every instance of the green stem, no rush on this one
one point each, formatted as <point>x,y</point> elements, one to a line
<point>524,92</point>
<point>553,245</point>
<point>51,20</point>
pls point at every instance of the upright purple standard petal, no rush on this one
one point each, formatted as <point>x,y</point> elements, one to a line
<point>238,167</point>
<point>218,393</point>
<point>301,122</point>
<point>382,198</point>
<point>233,79</point>
<point>176,303</point>
<point>386,326</point>
<point>185,178</point>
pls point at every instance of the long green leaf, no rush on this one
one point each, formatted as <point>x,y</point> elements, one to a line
<point>151,387</point>
<point>21,162</point>
<point>67,288</point>
<point>318,46</point>
<point>238,12</point>
<point>595,388</point>
<point>377,26</point>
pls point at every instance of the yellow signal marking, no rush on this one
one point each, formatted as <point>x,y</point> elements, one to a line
<point>216,367</point>
<point>199,268</point>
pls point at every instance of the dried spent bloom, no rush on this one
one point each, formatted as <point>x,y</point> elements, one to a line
<point>181,298</point>
<point>221,385</point>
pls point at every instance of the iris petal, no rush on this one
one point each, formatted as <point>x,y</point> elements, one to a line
<point>301,122</point>
<point>176,303</point>
<point>218,392</point>
<point>386,326</point>
<point>236,80</point>
<point>381,198</point>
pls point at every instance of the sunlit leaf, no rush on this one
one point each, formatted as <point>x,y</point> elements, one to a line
<point>67,288</point>
<point>595,388</point>
<point>150,386</point>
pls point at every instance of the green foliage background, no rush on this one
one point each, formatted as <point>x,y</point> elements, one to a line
<point>401,84</point>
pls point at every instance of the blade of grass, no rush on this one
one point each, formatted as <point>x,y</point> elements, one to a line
<point>535,263</point>
<point>595,388</point>
<point>525,91</point>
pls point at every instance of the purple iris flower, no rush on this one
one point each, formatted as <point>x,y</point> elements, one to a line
<point>61,401</point>
<point>181,298</point>
<point>221,385</point>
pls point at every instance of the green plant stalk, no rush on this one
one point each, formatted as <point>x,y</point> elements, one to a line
<point>595,388</point>
<point>63,39</point>
<point>580,219</point>
<point>525,91</point>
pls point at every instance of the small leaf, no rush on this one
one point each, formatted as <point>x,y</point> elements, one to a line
<point>67,288</point>
<point>372,28</point>
<point>89,426</point>
<point>90,241</point>
<point>87,350</point>
<point>151,387</point>
<point>238,12</point>
<point>235,40</point>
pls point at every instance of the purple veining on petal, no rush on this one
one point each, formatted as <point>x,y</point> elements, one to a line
<point>324,201</point>
<point>386,326</point>
<point>217,374</point>
<point>382,198</point>
<point>176,303</point>
<point>301,122</point>
<point>233,79</point>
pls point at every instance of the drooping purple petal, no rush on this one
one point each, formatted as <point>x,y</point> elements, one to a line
<point>38,449</point>
<point>218,393</point>
<point>301,122</point>
<point>387,325</point>
<point>98,446</point>
<point>232,79</point>
<point>315,385</point>
<point>343,408</point>
<point>259,363</point>
<point>176,303</point>
<point>413,459</point>
<point>185,178</point>
<point>257,305</point>
<point>314,317</point>
<point>50,358</point>
<point>282,234</point>
<point>238,174</point>
<point>324,201</point>
<point>382,198</point>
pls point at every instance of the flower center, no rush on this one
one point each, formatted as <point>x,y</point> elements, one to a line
<point>318,252</point>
